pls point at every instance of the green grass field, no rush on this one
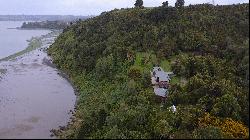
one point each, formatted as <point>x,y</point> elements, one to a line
<point>151,59</point>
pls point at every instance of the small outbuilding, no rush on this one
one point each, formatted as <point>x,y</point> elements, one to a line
<point>162,92</point>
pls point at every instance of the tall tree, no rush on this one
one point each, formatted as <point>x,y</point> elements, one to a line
<point>139,3</point>
<point>165,4</point>
<point>179,3</point>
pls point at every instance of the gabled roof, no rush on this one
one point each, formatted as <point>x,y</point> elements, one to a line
<point>163,76</point>
<point>160,91</point>
<point>170,73</point>
<point>156,69</point>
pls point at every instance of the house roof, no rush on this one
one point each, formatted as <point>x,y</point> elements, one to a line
<point>163,76</point>
<point>170,73</point>
<point>156,69</point>
<point>160,91</point>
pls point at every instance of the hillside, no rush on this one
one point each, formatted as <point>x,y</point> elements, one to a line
<point>109,59</point>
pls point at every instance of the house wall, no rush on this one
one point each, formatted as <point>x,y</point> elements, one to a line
<point>159,99</point>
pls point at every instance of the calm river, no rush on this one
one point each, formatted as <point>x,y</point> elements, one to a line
<point>14,40</point>
<point>34,98</point>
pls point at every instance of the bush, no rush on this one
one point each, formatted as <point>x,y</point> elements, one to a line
<point>146,79</point>
<point>227,106</point>
<point>132,86</point>
<point>135,73</point>
<point>209,132</point>
<point>229,127</point>
<point>163,129</point>
<point>235,129</point>
<point>105,67</point>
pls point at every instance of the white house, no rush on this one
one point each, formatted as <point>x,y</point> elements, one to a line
<point>159,77</point>
<point>160,80</point>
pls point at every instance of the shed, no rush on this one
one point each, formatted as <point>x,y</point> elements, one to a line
<point>162,92</point>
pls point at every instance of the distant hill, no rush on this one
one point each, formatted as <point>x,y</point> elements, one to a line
<point>47,24</point>
<point>41,17</point>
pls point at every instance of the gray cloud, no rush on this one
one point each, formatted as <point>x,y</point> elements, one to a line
<point>83,7</point>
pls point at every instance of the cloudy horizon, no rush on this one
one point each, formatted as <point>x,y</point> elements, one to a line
<point>84,7</point>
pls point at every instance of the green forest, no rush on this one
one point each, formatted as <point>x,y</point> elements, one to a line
<point>109,58</point>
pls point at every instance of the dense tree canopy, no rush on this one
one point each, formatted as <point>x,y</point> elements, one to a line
<point>109,58</point>
<point>179,3</point>
<point>165,4</point>
<point>139,3</point>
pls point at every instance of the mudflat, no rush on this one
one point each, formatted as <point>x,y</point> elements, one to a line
<point>34,98</point>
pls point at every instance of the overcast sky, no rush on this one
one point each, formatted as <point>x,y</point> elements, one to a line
<point>83,7</point>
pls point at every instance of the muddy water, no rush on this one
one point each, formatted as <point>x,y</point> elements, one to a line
<point>14,40</point>
<point>33,98</point>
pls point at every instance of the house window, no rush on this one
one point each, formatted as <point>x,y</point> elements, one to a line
<point>157,79</point>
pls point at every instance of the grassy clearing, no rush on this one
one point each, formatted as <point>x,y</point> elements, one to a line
<point>175,80</point>
<point>145,61</point>
<point>166,65</point>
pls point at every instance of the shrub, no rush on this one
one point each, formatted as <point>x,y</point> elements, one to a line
<point>227,106</point>
<point>135,73</point>
<point>234,129</point>
<point>229,127</point>
<point>105,67</point>
<point>209,132</point>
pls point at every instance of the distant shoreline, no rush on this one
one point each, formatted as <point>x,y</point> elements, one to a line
<point>42,17</point>
<point>20,28</point>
